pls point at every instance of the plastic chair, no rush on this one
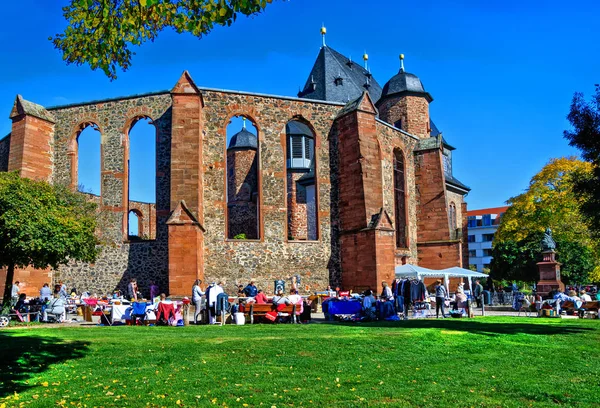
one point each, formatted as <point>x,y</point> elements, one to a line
<point>138,314</point>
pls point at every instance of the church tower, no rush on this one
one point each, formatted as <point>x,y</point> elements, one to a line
<point>404,103</point>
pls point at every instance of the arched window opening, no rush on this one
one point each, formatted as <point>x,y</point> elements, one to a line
<point>242,180</point>
<point>301,182</point>
<point>452,221</point>
<point>400,199</point>
<point>142,178</point>
<point>136,225</point>
<point>88,160</point>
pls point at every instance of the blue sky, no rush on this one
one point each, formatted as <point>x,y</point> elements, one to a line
<point>502,73</point>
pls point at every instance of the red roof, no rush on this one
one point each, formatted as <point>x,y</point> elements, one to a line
<point>483,211</point>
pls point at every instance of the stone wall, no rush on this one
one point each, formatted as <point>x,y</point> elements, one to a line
<point>4,152</point>
<point>242,193</point>
<point>119,260</point>
<point>272,257</point>
<point>301,215</point>
<point>413,111</point>
<point>146,213</point>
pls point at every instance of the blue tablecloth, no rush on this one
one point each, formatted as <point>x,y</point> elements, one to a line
<point>344,307</point>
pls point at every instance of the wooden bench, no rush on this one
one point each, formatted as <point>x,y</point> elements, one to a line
<point>261,309</point>
<point>585,307</point>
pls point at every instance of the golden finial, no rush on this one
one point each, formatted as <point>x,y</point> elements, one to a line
<point>366,59</point>
<point>323,32</point>
<point>401,62</point>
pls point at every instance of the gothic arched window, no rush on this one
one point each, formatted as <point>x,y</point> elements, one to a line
<point>400,199</point>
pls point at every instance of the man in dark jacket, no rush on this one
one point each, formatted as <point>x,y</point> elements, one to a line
<point>251,290</point>
<point>478,292</point>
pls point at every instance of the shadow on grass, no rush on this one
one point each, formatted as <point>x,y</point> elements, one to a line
<point>25,356</point>
<point>476,326</point>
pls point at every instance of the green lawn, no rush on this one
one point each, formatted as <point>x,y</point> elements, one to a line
<point>512,362</point>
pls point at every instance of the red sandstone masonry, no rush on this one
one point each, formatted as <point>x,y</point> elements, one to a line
<point>186,239</point>
<point>30,147</point>
<point>368,255</point>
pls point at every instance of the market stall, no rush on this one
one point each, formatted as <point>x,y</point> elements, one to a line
<point>419,272</point>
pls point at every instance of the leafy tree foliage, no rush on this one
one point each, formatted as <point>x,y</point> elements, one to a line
<point>550,201</point>
<point>585,135</point>
<point>43,226</point>
<point>101,32</point>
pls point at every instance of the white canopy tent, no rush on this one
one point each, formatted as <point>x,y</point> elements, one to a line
<point>414,271</point>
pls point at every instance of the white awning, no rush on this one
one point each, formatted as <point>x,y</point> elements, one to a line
<point>410,271</point>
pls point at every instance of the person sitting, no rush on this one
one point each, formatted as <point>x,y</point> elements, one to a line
<point>240,291</point>
<point>584,296</point>
<point>45,293</point>
<point>260,298</point>
<point>251,290</point>
<point>20,306</point>
<point>386,304</point>
<point>165,311</point>
<point>279,299</point>
<point>56,308</point>
<point>368,300</point>
<point>368,305</point>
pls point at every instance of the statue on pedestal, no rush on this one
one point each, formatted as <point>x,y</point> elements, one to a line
<point>549,269</point>
<point>548,243</point>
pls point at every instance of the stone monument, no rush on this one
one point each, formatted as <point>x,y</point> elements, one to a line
<point>549,269</point>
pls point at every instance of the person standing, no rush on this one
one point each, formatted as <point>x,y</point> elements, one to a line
<point>132,290</point>
<point>14,292</point>
<point>251,290</point>
<point>440,298</point>
<point>478,292</point>
<point>154,290</point>
<point>63,290</point>
<point>197,299</point>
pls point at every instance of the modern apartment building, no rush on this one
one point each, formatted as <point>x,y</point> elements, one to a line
<point>482,225</point>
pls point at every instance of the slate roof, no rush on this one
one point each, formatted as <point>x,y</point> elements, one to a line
<point>455,182</point>
<point>243,140</point>
<point>323,83</point>
<point>295,127</point>
<point>404,82</point>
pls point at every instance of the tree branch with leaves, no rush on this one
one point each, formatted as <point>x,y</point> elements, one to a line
<point>100,33</point>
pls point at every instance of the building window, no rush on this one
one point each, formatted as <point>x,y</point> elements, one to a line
<point>452,216</point>
<point>472,253</point>
<point>400,199</point>
<point>300,146</point>
<point>487,237</point>
<point>301,183</point>
<point>243,203</point>
<point>472,222</point>
<point>487,220</point>
<point>471,238</point>
<point>487,252</point>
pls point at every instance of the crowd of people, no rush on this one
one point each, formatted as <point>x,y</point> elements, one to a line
<point>208,301</point>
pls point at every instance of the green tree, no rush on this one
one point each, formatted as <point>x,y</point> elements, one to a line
<point>43,226</point>
<point>101,32</point>
<point>585,135</point>
<point>550,201</point>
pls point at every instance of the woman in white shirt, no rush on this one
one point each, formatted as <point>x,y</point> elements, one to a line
<point>197,294</point>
